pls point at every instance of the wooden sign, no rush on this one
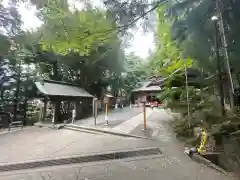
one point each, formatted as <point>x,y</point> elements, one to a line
<point>106,99</point>
<point>143,99</point>
<point>95,107</point>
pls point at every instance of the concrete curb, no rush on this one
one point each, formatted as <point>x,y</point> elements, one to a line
<point>15,130</point>
<point>81,130</point>
<point>105,131</point>
<point>56,126</point>
<point>7,132</point>
<point>202,160</point>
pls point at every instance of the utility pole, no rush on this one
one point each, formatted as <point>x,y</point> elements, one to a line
<point>188,103</point>
<point>219,72</point>
<point>219,8</point>
<point>201,85</point>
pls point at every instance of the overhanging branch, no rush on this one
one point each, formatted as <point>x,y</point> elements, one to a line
<point>125,26</point>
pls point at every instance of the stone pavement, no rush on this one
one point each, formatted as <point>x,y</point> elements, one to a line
<point>133,118</point>
<point>115,117</point>
<point>171,165</point>
<point>40,143</point>
<point>5,131</point>
<point>164,167</point>
<point>132,123</point>
<point>157,126</point>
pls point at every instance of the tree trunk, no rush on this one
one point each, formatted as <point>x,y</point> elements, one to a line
<point>226,88</point>
<point>16,99</point>
<point>25,111</point>
<point>2,93</point>
<point>55,71</point>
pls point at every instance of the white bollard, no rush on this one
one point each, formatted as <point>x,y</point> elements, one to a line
<point>53,117</point>
<point>73,115</point>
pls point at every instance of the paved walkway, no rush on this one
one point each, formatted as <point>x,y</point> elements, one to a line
<point>39,143</point>
<point>132,123</point>
<point>135,124</point>
<point>115,117</point>
<point>172,165</point>
<point>157,126</point>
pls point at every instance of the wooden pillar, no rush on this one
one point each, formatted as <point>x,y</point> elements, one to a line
<point>57,112</point>
<point>68,106</point>
<point>78,107</point>
<point>44,109</point>
<point>144,116</point>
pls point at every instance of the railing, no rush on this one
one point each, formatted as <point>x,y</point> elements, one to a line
<point>15,124</point>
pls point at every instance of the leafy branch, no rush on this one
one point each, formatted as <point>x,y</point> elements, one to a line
<point>123,27</point>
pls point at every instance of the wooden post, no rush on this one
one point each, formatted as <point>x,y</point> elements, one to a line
<point>106,115</point>
<point>144,116</point>
<point>53,117</point>
<point>73,115</point>
<point>79,109</point>
<point>106,101</point>
<point>95,109</point>
<point>57,112</point>
<point>44,109</point>
<point>144,100</point>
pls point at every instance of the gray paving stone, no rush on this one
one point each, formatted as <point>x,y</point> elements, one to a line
<point>173,165</point>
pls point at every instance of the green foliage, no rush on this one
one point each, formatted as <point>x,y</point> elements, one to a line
<point>186,28</point>
<point>10,18</point>
<point>177,80</point>
<point>195,32</point>
<point>75,46</point>
<point>181,128</point>
<point>126,13</point>
<point>167,58</point>
<point>65,30</point>
<point>135,72</point>
<point>170,94</point>
<point>72,45</point>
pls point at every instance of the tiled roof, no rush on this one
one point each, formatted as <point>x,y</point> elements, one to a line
<point>148,89</point>
<point>55,88</point>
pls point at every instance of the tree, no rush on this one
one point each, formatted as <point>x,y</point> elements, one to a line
<point>127,13</point>
<point>193,25</point>
<point>168,57</point>
<point>187,30</point>
<point>194,30</point>
<point>78,45</point>
<point>135,72</point>
<point>9,18</point>
<point>66,30</point>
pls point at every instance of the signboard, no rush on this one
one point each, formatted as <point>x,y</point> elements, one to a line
<point>106,99</point>
<point>143,99</point>
<point>95,106</point>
